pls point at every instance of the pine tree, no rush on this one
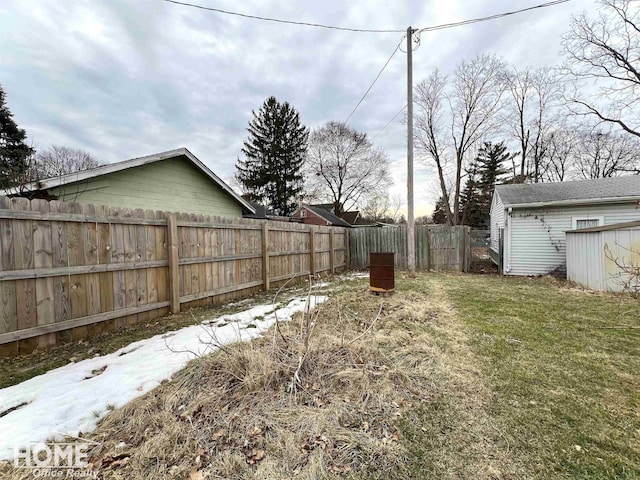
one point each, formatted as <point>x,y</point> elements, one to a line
<point>485,171</point>
<point>14,152</point>
<point>439,215</point>
<point>274,153</point>
<point>491,160</point>
<point>470,211</point>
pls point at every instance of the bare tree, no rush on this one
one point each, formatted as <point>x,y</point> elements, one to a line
<point>606,48</point>
<point>344,167</point>
<point>531,110</point>
<point>560,155</point>
<point>383,208</point>
<point>424,220</point>
<point>452,117</point>
<point>601,155</point>
<point>59,160</point>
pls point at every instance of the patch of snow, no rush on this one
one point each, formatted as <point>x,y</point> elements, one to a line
<point>353,276</point>
<point>74,398</point>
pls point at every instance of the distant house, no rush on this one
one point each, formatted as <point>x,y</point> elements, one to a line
<point>530,220</point>
<point>170,181</point>
<point>316,215</point>
<point>350,217</point>
<point>264,213</point>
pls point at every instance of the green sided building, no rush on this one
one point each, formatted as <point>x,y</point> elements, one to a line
<point>173,181</point>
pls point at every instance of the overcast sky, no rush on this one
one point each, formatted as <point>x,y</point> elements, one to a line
<point>128,78</point>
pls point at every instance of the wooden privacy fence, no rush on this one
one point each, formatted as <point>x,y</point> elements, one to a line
<point>69,270</point>
<point>438,247</point>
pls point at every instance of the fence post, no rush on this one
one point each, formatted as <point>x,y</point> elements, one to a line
<point>468,252</point>
<point>332,253</point>
<point>347,253</point>
<point>174,266</point>
<point>428,242</point>
<point>312,247</point>
<point>501,252</point>
<point>265,256</point>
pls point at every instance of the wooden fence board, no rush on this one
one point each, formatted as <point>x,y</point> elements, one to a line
<point>8,312</point>
<point>438,247</point>
<point>141,274</point>
<point>25,289</point>
<point>60,258</point>
<point>43,258</point>
<point>130,256</point>
<point>68,270</point>
<point>118,256</point>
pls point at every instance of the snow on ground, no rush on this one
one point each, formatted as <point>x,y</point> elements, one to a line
<point>74,398</point>
<point>353,276</point>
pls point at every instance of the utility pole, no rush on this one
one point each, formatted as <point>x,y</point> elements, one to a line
<point>411,243</point>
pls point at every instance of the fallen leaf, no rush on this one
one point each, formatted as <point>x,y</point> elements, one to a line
<point>339,468</point>
<point>196,474</point>
<point>255,456</point>
<point>255,431</point>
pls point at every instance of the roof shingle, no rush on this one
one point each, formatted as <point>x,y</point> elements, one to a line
<point>599,189</point>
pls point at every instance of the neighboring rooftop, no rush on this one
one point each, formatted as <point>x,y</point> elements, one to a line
<point>327,215</point>
<point>349,217</point>
<point>607,189</point>
<point>261,211</point>
<point>70,178</point>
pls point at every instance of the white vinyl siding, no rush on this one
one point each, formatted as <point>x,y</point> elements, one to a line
<point>497,221</point>
<point>536,243</point>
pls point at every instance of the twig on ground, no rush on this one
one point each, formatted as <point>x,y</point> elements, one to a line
<point>370,325</point>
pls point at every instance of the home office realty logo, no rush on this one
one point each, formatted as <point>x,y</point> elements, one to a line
<point>54,460</point>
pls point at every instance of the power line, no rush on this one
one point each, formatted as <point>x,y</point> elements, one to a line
<point>368,30</point>
<point>333,27</point>
<point>444,26</point>
<point>490,17</point>
<point>278,20</point>
<point>388,123</point>
<point>395,50</point>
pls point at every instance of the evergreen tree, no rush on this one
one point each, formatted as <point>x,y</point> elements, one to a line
<point>274,153</point>
<point>491,160</point>
<point>470,212</point>
<point>485,171</point>
<point>14,152</point>
<point>439,215</point>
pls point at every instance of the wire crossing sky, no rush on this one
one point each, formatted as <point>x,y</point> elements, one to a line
<point>123,78</point>
<point>369,30</point>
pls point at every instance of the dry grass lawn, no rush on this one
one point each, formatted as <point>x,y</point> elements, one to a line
<point>453,377</point>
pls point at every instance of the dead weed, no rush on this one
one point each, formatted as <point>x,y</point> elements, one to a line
<point>323,397</point>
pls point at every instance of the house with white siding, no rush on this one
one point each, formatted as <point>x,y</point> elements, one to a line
<point>529,221</point>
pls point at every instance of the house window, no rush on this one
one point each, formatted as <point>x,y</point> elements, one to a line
<point>587,222</point>
<point>303,213</point>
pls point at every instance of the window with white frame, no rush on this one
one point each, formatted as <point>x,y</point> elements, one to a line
<point>303,213</point>
<point>587,222</point>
